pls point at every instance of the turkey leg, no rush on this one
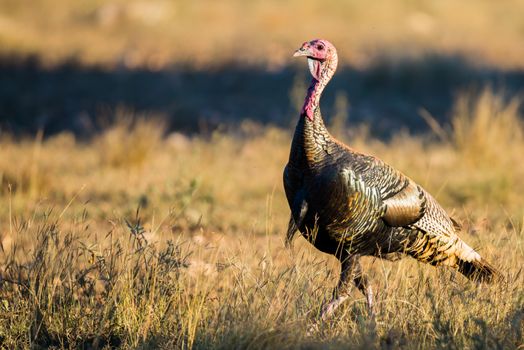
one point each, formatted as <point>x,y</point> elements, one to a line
<point>351,271</point>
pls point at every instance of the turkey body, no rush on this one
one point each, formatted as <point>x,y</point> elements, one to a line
<point>350,204</point>
<point>346,195</point>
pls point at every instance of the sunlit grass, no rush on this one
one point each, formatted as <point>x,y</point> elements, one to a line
<point>487,128</point>
<point>202,263</point>
<point>156,33</point>
<point>130,140</point>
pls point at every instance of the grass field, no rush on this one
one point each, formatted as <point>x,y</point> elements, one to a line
<point>119,228</point>
<point>140,239</point>
<point>202,33</point>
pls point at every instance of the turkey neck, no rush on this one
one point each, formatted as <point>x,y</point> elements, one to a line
<point>312,143</point>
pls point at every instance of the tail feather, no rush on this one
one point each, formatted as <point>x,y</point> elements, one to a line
<point>479,271</point>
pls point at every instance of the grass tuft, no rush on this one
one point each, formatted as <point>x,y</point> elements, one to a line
<point>130,140</point>
<point>487,127</point>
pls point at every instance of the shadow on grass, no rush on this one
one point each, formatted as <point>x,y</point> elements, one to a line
<point>388,95</point>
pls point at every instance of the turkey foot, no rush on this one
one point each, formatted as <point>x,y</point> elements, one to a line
<point>329,308</point>
<point>351,271</point>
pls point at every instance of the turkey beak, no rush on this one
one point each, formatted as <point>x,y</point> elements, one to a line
<point>301,52</point>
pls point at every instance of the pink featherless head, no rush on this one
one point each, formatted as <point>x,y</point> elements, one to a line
<point>320,54</point>
<point>318,49</point>
<point>322,62</point>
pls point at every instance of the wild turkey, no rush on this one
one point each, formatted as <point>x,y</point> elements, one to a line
<point>350,204</point>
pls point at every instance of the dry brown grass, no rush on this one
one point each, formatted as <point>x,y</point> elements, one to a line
<point>159,32</point>
<point>486,126</point>
<point>202,264</point>
<point>130,141</point>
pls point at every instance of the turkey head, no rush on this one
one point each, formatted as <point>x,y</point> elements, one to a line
<point>320,54</point>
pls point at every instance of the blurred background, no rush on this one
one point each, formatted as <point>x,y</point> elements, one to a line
<point>200,65</point>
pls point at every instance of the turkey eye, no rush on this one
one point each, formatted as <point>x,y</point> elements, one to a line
<point>320,47</point>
